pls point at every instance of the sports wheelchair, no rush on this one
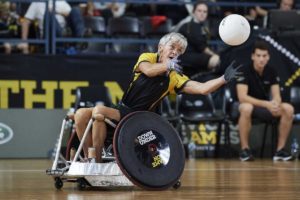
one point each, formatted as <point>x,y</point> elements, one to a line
<point>144,150</point>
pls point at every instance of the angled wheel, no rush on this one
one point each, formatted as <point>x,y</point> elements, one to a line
<point>149,151</point>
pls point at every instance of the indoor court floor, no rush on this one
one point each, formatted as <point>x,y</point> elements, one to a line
<point>24,179</point>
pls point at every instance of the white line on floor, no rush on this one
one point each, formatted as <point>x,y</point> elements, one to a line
<point>22,170</point>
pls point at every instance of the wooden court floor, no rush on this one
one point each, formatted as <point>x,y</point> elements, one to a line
<point>202,179</point>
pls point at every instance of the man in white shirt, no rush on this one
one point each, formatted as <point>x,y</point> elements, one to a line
<point>64,15</point>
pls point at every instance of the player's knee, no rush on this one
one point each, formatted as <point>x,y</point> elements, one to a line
<point>99,113</point>
<point>98,117</point>
<point>99,109</point>
<point>81,116</point>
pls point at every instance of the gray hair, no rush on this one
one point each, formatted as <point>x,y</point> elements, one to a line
<point>174,38</point>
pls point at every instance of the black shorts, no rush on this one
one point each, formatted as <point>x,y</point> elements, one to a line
<point>262,114</point>
<point>123,109</point>
<point>257,113</point>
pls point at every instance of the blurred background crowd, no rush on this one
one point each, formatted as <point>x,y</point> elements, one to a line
<point>141,20</point>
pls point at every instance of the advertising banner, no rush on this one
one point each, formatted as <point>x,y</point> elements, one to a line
<point>50,81</point>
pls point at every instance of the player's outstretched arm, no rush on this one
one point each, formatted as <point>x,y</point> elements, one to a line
<point>194,87</point>
<point>152,70</point>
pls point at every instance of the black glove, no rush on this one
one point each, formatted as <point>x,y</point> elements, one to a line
<point>173,65</point>
<point>231,72</point>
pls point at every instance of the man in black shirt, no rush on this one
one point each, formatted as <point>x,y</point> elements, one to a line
<point>253,88</point>
<point>198,56</point>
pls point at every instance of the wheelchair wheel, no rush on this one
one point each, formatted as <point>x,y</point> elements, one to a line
<point>81,184</point>
<point>149,151</point>
<point>58,183</point>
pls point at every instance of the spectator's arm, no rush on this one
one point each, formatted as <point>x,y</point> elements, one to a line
<point>209,51</point>
<point>275,91</point>
<point>25,28</point>
<point>64,9</point>
<point>118,9</point>
<point>90,8</point>
<point>260,11</point>
<point>25,25</point>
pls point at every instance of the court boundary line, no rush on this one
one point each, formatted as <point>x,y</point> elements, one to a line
<point>246,169</point>
<point>22,170</point>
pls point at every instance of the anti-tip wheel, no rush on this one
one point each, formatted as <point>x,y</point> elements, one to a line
<point>177,185</point>
<point>81,184</point>
<point>58,183</point>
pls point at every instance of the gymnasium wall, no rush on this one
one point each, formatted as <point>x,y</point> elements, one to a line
<point>37,90</point>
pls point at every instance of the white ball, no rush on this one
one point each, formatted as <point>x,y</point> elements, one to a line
<point>234,29</point>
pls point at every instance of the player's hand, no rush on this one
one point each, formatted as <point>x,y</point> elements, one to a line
<point>173,65</point>
<point>231,72</point>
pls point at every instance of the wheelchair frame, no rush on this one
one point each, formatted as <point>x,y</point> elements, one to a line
<point>107,174</point>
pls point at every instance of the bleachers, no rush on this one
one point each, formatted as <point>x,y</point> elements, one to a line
<point>102,40</point>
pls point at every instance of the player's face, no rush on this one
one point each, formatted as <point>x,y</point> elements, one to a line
<point>260,58</point>
<point>286,5</point>
<point>169,51</point>
<point>201,12</point>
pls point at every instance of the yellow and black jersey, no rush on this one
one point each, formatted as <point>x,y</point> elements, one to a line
<point>145,93</point>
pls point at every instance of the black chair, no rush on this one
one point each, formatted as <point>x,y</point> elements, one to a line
<point>91,96</point>
<point>196,109</point>
<point>295,101</point>
<point>95,25</point>
<point>124,28</point>
<point>96,28</point>
<point>168,111</point>
<point>150,32</point>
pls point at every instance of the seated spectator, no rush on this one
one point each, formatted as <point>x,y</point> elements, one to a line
<point>64,15</point>
<point>254,85</point>
<point>9,24</point>
<point>139,10</point>
<point>175,12</point>
<point>198,57</point>
<point>257,12</point>
<point>106,10</point>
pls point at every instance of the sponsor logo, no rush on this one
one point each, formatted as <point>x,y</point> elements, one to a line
<point>239,79</point>
<point>157,161</point>
<point>6,133</point>
<point>146,137</point>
